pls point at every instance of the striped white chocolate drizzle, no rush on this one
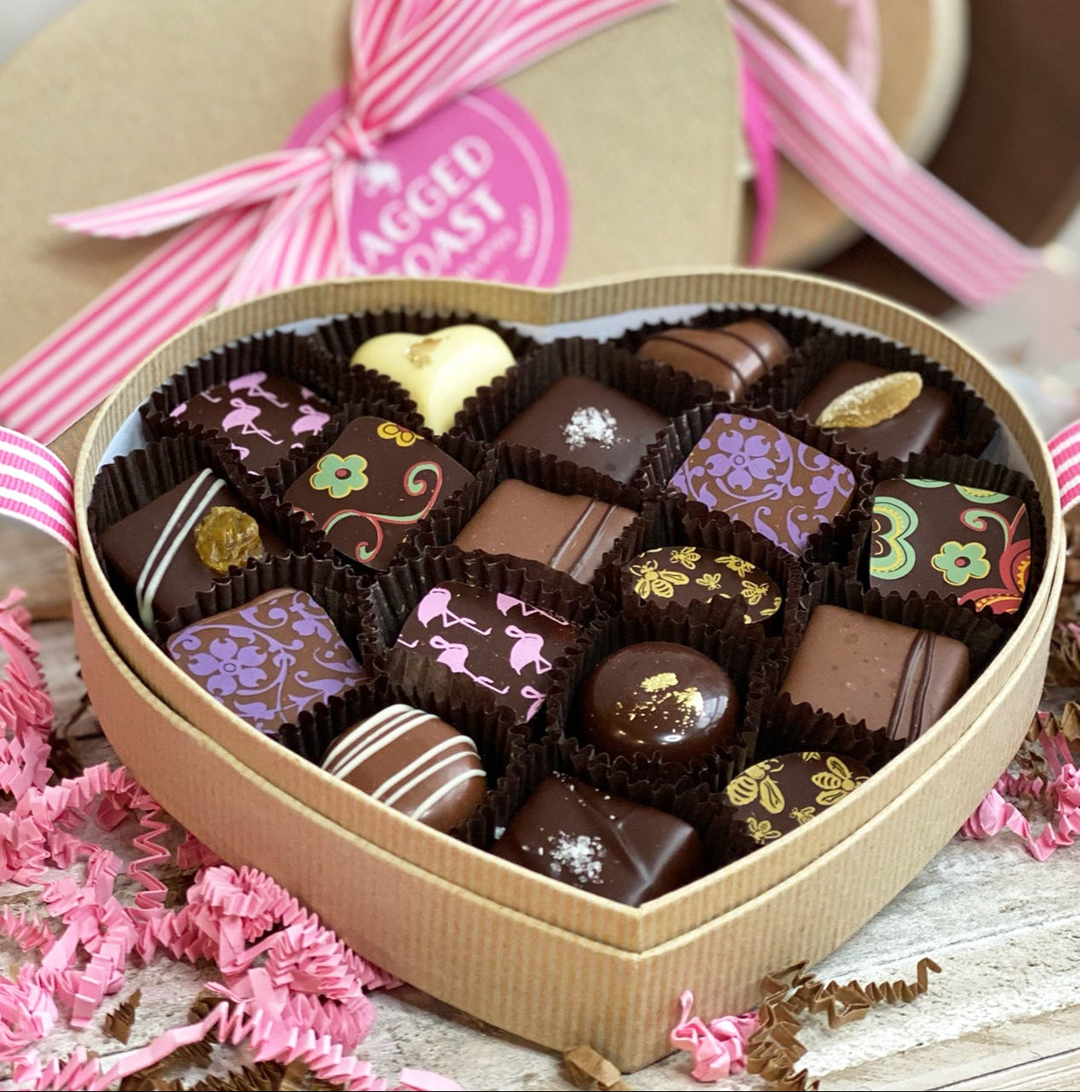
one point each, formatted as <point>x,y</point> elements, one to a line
<point>173,535</point>
<point>383,729</point>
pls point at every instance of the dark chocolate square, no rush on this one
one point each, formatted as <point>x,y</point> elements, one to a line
<point>601,843</point>
<point>928,420</point>
<point>374,485</point>
<point>950,539</point>
<point>268,660</point>
<point>503,648</point>
<point>263,416</point>
<point>888,675</point>
<point>589,424</point>
<point>153,551</point>
<point>571,534</point>
<point>779,486</point>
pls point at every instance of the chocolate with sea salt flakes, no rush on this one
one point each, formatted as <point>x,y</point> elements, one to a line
<point>601,843</point>
<point>588,423</point>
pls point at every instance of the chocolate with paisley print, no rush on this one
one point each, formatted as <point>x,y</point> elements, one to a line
<point>935,536</point>
<point>374,485</point>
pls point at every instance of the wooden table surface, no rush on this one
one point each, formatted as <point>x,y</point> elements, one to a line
<point>1004,1012</point>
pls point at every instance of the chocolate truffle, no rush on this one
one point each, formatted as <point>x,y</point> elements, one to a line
<point>659,698</point>
<point>441,369</point>
<point>779,795</point>
<point>600,843</point>
<point>373,486</point>
<point>153,551</point>
<point>779,486</point>
<point>411,761</point>
<point>683,575</point>
<point>950,539</point>
<point>571,534</point>
<point>731,357</point>
<point>263,416</point>
<point>927,420</point>
<point>888,675</point>
<point>268,660</point>
<point>502,647</point>
<point>589,424</point>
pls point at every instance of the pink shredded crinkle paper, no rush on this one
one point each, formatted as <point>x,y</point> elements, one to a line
<point>305,998</point>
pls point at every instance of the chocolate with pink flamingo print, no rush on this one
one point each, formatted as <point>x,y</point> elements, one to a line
<point>505,647</point>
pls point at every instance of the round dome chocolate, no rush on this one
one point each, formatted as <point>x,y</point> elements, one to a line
<point>682,575</point>
<point>659,697</point>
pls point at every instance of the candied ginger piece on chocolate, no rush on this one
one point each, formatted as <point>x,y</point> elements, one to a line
<point>373,486</point>
<point>888,675</point>
<point>268,660</point>
<point>441,369</point>
<point>782,488</point>
<point>263,416</point>
<point>503,648</point>
<point>154,551</point>
<point>589,424</point>
<point>226,537</point>
<point>926,420</point>
<point>413,762</point>
<point>600,843</point>
<point>571,534</point>
<point>732,358</point>
<point>682,575</point>
<point>779,795</point>
<point>933,536</point>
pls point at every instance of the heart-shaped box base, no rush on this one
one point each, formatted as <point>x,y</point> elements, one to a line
<point>532,956</point>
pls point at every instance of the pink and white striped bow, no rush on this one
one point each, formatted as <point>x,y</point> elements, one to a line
<point>821,117</point>
<point>281,219</point>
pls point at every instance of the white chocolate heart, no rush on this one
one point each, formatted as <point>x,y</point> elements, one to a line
<point>439,370</point>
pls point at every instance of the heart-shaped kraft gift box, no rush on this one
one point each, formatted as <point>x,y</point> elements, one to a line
<point>528,954</point>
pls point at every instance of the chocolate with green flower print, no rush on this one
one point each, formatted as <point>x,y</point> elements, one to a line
<point>934,536</point>
<point>268,660</point>
<point>374,485</point>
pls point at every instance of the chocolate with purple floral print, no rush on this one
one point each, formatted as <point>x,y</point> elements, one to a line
<point>268,660</point>
<point>783,488</point>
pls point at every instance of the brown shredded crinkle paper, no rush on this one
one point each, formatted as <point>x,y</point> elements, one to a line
<point>774,1048</point>
<point>588,1069</point>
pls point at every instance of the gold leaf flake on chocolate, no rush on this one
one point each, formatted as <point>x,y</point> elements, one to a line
<point>664,681</point>
<point>420,352</point>
<point>872,402</point>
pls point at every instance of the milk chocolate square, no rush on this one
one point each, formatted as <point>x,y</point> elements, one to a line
<point>928,419</point>
<point>153,551</point>
<point>263,416</point>
<point>503,647</point>
<point>268,660</point>
<point>374,485</point>
<point>601,843</point>
<point>779,486</point>
<point>864,668</point>
<point>950,539</point>
<point>571,534</point>
<point>589,424</point>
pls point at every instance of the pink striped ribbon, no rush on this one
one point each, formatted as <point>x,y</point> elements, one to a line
<point>280,219</point>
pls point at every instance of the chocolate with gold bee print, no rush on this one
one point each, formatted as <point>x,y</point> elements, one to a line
<point>682,575</point>
<point>779,795</point>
